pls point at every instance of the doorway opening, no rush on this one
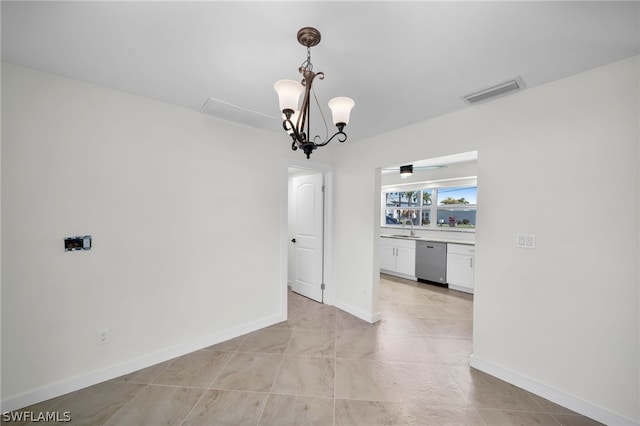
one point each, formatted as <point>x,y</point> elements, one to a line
<point>436,203</point>
<point>306,232</point>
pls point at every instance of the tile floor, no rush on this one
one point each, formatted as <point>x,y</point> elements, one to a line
<point>325,367</point>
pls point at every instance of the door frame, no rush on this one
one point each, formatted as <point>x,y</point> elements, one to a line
<point>327,171</point>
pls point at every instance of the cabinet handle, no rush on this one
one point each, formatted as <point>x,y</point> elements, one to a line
<point>471,262</point>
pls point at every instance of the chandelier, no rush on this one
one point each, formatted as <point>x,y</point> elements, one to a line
<point>297,116</point>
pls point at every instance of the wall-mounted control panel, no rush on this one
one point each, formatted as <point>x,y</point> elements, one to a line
<point>77,243</point>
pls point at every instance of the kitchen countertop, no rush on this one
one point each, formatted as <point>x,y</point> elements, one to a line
<point>435,240</point>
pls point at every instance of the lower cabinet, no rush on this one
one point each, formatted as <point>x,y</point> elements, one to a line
<point>460,267</point>
<point>398,257</point>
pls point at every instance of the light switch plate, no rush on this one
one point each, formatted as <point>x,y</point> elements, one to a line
<point>530,241</point>
<point>527,241</point>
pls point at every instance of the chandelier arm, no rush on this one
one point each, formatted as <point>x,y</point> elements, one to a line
<point>303,118</point>
<point>302,115</point>
<point>342,136</point>
<point>324,120</point>
<point>284,125</point>
<point>319,75</point>
<point>296,135</point>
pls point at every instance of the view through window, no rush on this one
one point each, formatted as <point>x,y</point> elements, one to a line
<point>437,207</point>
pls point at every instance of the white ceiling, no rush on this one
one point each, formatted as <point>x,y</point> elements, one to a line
<point>402,62</point>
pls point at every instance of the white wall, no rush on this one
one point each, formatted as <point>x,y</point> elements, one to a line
<point>452,171</point>
<point>174,227</point>
<point>561,319</point>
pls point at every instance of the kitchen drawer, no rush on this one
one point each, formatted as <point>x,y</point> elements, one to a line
<point>461,249</point>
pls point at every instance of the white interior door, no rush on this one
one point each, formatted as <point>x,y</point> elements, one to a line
<point>307,240</point>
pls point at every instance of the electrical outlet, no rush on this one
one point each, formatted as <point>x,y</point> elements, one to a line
<point>520,240</point>
<point>103,336</point>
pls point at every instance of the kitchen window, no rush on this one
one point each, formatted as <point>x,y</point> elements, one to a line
<point>454,207</point>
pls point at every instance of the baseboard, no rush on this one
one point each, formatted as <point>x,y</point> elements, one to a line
<point>553,395</point>
<point>399,275</point>
<point>460,288</point>
<point>365,316</point>
<point>98,376</point>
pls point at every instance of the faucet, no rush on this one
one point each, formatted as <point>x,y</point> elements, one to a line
<point>412,231</point>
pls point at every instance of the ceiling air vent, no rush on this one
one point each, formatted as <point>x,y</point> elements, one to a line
<point>237,114</point>
<point>495,91</point>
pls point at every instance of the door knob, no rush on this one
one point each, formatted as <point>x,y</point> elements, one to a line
<point>293,240</point>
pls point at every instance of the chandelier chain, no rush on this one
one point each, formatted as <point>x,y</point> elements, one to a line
<point>307,65</point>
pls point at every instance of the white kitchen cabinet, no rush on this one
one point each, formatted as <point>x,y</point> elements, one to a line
<point>460,267</point>
<point>387,257</point>
<point>398,257</point>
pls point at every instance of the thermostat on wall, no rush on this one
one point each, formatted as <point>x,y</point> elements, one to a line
<point>77,243</point>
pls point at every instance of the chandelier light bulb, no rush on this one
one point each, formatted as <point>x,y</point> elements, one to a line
<point>289,92</point>
<point>341,109</point>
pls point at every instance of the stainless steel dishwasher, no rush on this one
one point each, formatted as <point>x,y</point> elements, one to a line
<point>431,262</point>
